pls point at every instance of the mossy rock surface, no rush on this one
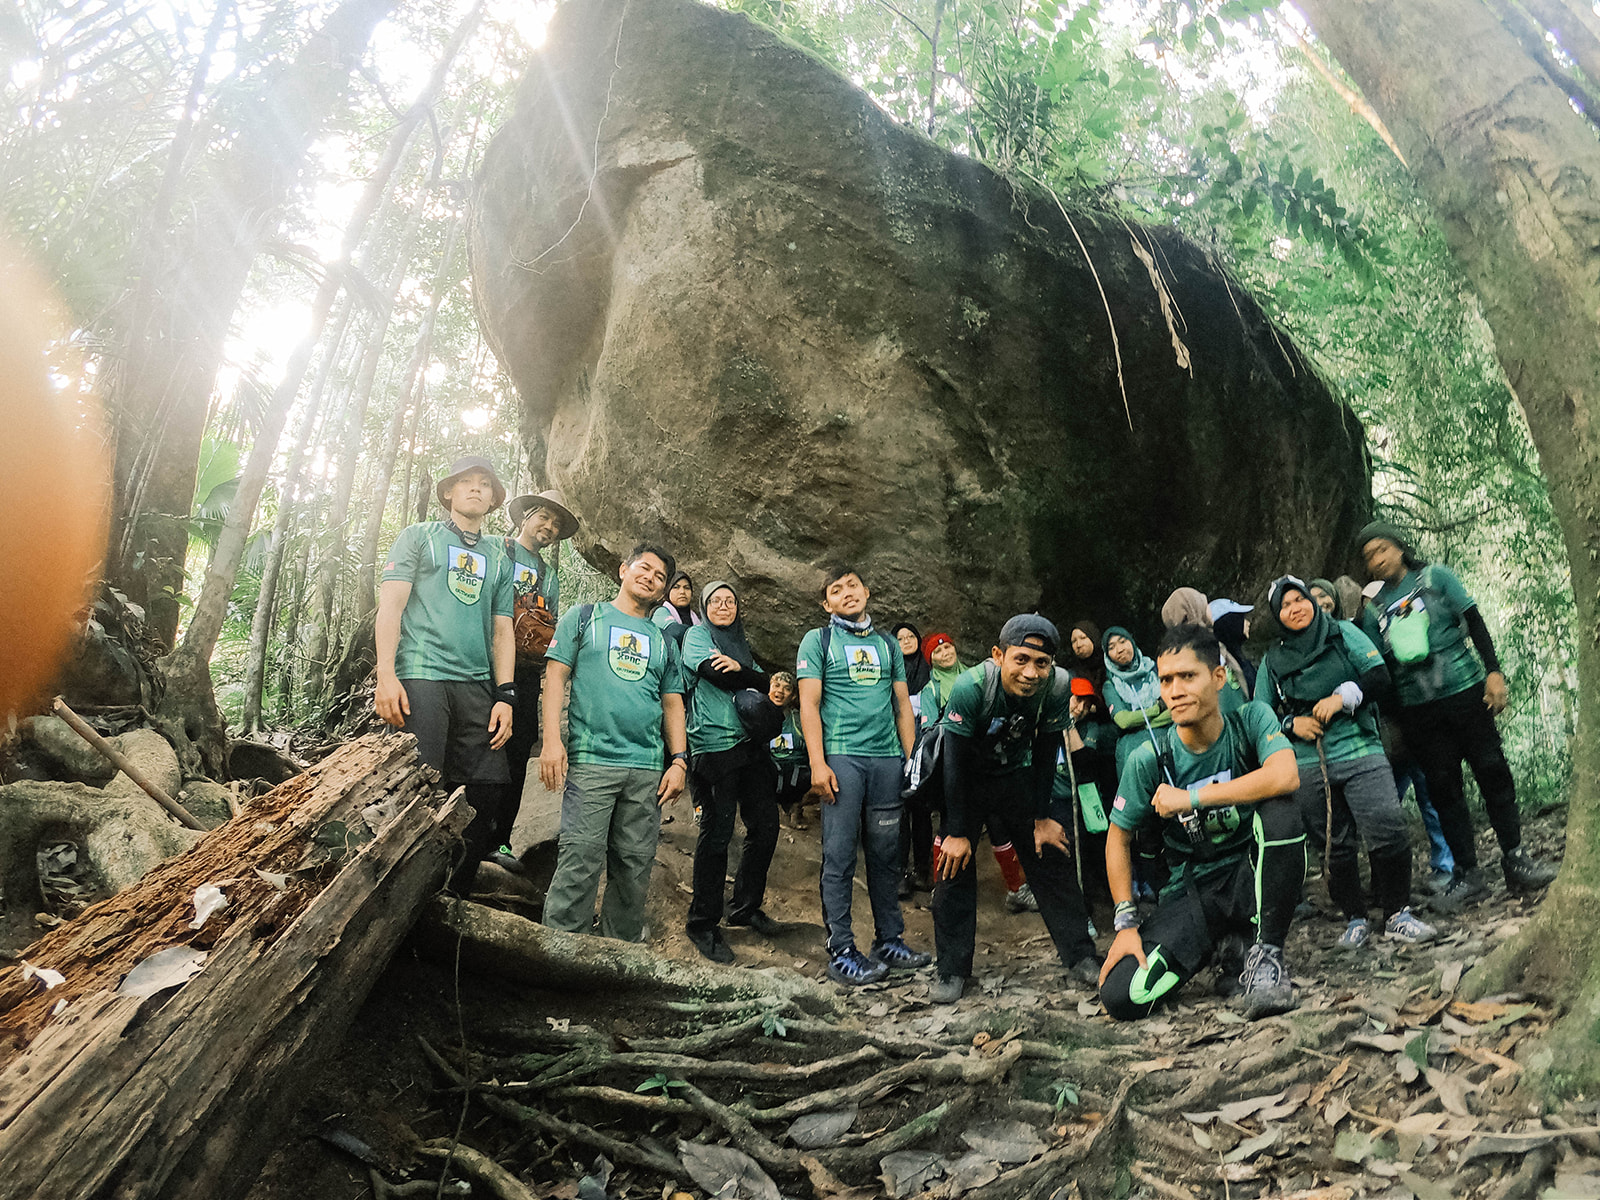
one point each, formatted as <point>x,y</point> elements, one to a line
<point>780,330</point>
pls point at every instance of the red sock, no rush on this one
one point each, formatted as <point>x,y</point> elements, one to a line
<point>1010,866</point>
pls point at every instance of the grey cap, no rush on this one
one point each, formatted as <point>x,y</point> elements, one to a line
<point>470,462</point>
<point>1020,628</point>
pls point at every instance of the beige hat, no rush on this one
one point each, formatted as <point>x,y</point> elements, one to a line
<point>519,509</point>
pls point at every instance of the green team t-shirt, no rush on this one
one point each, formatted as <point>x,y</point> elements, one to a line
<point>621,667</point>
<point>457,590</point>
<point>1007,726</point>
<point>1228,827</point>
<point>1347,738</point>
<point>789,747</point>
<point>857,690</point>
<point>1451,666</point>
<point>713,721</point>
<point>530,573</point>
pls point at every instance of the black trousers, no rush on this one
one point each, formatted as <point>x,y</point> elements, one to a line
<point>524,736</point>
<point>1008,815</point>
<point>1443,733</point>
<point>738,782</point>
<point>1256,900</point>
<point>916,835</point>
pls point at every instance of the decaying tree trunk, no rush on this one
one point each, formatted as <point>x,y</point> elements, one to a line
<point>1512,171</point>
<point>180,1094</point>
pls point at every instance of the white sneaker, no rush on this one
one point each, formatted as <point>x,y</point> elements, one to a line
<point>1405,926</point>
<point>1355,934</point>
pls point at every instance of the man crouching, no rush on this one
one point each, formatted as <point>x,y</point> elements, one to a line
<point>1223,789</point>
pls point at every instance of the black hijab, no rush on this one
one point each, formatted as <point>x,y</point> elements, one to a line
<point>917,668</point>
<point>1092,668</point>
<point>1229,629</point>
<point>729,639</point>
<point>683,616</point>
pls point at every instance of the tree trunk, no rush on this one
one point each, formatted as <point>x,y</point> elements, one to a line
<point>335,550</point>
<point>366,581</point>
<point>186,1094</point>
<point>267,599</point>
<point>1513,175</point>
<point>160,391</point>
<point>291,634</point>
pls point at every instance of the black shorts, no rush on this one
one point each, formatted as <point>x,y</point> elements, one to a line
<point>450,720</point>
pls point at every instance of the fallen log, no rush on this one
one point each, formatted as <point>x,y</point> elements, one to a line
<point>492,942</point>
<point>181,1094</point>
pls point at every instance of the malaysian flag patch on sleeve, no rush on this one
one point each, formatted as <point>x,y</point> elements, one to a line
<point>1119,804</point>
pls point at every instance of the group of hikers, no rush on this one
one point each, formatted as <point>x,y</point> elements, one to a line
<point>1190,789</point>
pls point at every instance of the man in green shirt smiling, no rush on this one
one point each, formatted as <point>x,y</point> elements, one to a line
<point>626,686</point>
<point>446,649</point>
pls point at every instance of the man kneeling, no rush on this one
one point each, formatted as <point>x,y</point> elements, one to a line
<point>1005,718</point>
<point>1223,789</point>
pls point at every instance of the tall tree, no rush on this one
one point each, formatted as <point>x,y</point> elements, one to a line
<point>180,308</point>
<point>1511,167</point>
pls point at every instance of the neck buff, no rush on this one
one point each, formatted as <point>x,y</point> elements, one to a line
<point>1136,683</point>
<point>729,639</point>
<point>860,628</point>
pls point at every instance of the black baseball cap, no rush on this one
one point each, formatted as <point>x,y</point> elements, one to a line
<point>1026,627</point>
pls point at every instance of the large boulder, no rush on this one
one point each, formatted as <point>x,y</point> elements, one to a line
<point>773,329</point>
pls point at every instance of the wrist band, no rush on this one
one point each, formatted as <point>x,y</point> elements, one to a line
<point>1125,906</point>
<point>1125,920</point>
<point>1194,797</point>
<point>506,692</point>
<point>681,756</point>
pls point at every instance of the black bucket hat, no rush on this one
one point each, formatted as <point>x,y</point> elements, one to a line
<point>470,462</point>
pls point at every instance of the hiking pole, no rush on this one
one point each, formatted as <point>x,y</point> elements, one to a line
<point>1189,820</point>
<point>1327,837</point>
<point>1072,778</point>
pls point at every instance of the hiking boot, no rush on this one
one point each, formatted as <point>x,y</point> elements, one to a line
<point>507,861</point>
<point>711,944</point>
<point>894,954</point>
<point>1085,971</point>
<point>1230,962</point>
<point>854,969</point>
<point>1356,934</point>
<point>947,989</point>
<point>1405,926</point>
<point>1524,873</point>
<point>1466,887</point>
<point>1268,990</point>
<point>762,924</point>
<point>1435,881</point>
<point>1022,900</point>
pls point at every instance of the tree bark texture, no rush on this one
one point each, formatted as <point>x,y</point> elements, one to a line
<point>162,389</point>
<point>1513,175</point>
<point>184,1093</point>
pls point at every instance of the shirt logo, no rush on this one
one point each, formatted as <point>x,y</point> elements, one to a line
<point>467,572</point>
<point>629,654</point>
<point>526,579</point>
<point>864,665</point>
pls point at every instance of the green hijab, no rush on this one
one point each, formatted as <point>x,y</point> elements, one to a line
<point>1310,664</point>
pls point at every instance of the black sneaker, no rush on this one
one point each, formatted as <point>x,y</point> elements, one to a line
<point>947,989</point>
<point>1268,990</point>
<point>1466,886</point>
<point>711,944</point>
<point>1524,873</point>
<point>1230,965</point>
<point>1085,971</point>
<point>897,956</point>
<point>507,861</point>
<point>854,969</point>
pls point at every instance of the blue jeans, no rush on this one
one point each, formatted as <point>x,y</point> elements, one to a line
<point>1408,774</point>
<point>865,815</point>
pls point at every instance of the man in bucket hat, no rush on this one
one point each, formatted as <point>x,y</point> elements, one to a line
<point>537,521</point>
<point>446,648</point>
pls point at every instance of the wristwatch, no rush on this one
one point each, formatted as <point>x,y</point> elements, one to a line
<point>683,757</point>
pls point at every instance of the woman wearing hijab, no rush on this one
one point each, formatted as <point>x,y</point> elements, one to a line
<point>1132,692</point>
<point>941,667</point>
<point>677,616</point>
<point>1321,676</point>
<point>731,776</point>
<point>1230,621</point>
<point>1325,595</point>
<point>910,639</point>
<point>944,668</point>
<point>1189,606</point>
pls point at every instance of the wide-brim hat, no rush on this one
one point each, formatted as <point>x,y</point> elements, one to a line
<point>470,462</point>
<point>519,509</point>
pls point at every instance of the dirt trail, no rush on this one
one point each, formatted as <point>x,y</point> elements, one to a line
<point>1381,1084</point>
